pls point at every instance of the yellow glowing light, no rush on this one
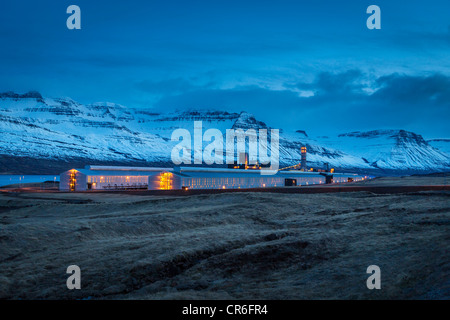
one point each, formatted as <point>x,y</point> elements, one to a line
<point>165,182</point>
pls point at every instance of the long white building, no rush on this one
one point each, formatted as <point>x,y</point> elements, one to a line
<point>108,178</point>
<point>138,178</point>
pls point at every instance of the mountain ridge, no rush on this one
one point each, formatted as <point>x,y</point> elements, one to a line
<point>61,132</point>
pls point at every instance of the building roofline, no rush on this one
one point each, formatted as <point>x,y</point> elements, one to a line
<point>123,168</point>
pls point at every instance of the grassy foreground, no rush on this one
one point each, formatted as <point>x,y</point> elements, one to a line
<point>225,246</point>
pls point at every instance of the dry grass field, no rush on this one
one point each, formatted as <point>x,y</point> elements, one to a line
<point>227,246</point>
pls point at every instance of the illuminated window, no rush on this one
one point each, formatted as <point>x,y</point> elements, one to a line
<point>72,180</point>
<point>165,182</point>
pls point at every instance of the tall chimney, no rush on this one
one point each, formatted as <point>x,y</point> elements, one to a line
<point>243,160</point>
<point>303,163</point>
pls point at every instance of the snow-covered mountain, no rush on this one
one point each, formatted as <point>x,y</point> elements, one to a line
<point>392,149</point>
<point>44,132</point>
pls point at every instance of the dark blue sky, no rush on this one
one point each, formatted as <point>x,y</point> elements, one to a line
<point>309,65</point>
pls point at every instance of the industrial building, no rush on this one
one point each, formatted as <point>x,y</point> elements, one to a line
<point>236,176</point>
<point>108,178</point>
<point>138,178</point>
<point>217,178</point>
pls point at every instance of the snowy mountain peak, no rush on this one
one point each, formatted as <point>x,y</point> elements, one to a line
<point>376,133</point>
<point>302,133</point>
<point>386,149</point>
<point>401,136</point>
<point>248,121</point>
<point>28,95</point>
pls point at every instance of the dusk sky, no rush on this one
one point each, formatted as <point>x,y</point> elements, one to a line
<point>309,65</point>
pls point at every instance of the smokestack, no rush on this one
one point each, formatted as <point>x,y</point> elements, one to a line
<point>303,163</point>
<point>243,160</point>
